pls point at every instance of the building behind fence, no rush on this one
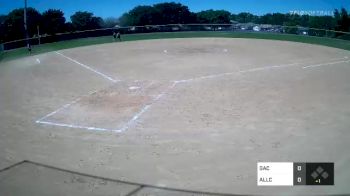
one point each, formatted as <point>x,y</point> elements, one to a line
<point>237,27</point>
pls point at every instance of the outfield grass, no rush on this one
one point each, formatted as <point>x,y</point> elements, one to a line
<point>22,52</point>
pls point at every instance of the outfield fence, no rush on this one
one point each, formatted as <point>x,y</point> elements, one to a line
<point>240,27</point>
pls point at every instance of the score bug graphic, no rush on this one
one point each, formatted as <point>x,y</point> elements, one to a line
<point>290,174</point>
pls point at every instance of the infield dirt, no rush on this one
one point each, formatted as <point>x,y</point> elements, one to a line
<point>198,114</point>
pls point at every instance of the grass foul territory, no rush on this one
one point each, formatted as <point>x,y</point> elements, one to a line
<point>22,52</point>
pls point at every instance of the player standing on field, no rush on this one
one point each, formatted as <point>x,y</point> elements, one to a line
<point>114,35</point>
<point>118,36</point>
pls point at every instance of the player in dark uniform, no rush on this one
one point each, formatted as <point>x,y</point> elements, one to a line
<point>119,36</point>
<point>114,36</point>
<point>29,47</point>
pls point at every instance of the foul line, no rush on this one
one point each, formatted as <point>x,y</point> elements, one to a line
<point>89,68</point>
<point>261,69</point>
<point>78,126</point>
<point>158,97</point>
<point>67,105</point>
<point>12,166</point>
<point>59,109</point>
<point>325,64</point>
<point>124,128</point>
<point>42,121</point>
<point>236,72</point>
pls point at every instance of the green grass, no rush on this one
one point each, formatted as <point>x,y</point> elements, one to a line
<point>22,52</point>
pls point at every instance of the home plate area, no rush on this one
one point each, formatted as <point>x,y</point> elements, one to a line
<point>112,108</point>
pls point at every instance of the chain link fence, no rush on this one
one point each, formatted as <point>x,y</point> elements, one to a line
<point>240,27</point>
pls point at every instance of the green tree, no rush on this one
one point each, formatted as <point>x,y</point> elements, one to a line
<point>14,23</point>
<point>292,20</point>
<point>322,22</point>
<point>110,22</point>
<point>140,15</point>
<point>214,16</point>
<point>336,15</point>
<point>68,27</point>
<point>162,13</point>
<point>53,21</point>
<point>85,20</point>
<point>266,19</point>
<point>246,17</point>
<point>343,21</point>
<point>304,21</point>
<point>125,20</point>
<point>2,28</point>
<point>278,19</point>
<point>173,13</point>
<point>274,19</point>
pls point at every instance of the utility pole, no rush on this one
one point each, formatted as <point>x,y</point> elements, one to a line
<point>38,29</point>
<point>25,23</point>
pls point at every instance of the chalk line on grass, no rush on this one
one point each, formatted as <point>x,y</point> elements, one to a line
<point>89,68</point>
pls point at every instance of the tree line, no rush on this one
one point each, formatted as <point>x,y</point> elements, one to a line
<point>53,21</point>
<point>174,13</point>
<point>49,22</point>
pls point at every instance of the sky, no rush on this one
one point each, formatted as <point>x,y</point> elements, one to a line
<point>115,8</point>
